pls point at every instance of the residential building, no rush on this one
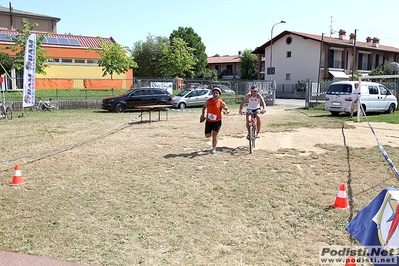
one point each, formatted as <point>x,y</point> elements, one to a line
<point>298,57</point>
<point>227,66</point>
<point>72,65</point>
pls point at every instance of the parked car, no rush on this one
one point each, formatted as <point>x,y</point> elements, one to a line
<point>191,98</point>
<point>137,97</point>
<point>374,97</point>
<point>224,88</point>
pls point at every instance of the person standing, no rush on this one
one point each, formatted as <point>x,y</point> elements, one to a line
<point>355,99</point>
<point>214,107</point>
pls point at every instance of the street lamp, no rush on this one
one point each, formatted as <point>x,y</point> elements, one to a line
<point>271,48</point>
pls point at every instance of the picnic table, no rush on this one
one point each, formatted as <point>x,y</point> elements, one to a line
<point>149,108</point>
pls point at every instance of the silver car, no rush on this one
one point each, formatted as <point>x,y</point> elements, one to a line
<point>191,98</point>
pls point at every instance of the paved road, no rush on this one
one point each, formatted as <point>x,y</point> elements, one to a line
<point>290,103</point>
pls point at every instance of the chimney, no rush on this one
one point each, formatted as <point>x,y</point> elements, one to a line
<point>352,38</point>
<point>239,53</point>
<point>342,34</point>
<point>376,42</point>
<point>368,40</point>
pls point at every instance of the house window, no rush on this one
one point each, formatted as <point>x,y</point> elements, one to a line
<point>288,76</point>
<point>66,60</point>
<point>288,54</point>
<point>229,69</point>
<point>288,40</point>
<point>79,61</point>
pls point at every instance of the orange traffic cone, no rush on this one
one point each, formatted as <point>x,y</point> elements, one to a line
<point>17,177</point>
<point>340,200</point>
<point>350,261</point>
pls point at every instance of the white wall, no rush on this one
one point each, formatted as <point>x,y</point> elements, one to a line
<point>303,63</point>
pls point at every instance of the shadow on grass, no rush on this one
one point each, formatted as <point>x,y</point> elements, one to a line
<point>242,150</point>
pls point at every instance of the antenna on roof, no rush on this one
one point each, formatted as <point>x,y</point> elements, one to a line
<point>331,29</point>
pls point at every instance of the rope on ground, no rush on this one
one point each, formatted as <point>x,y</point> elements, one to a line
<point>349,181</point>
<point>383,151</point>
<point>41,155</point>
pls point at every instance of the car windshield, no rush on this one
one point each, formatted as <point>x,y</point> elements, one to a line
<point>340,88</point>
<point>182,93</point>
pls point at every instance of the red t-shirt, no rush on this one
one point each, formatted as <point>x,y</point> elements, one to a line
<point>214,112</point>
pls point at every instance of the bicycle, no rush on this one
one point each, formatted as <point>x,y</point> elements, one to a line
<point>5,111</point>
<point>45,105</point>
<point>252,129</point>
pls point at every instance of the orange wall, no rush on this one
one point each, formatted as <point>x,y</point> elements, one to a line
<point>62,52</point>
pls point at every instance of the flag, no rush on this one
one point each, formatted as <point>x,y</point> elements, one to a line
<point>377,226</point>
<point>29,81</point>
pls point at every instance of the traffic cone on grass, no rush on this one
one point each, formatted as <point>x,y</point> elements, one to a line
<point>350,261</point>
<point>341,201</point>
<point>17,177</point>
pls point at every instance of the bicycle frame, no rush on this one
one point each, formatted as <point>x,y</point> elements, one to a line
<point>5,110</point>
<point>45,105</point>
<point>252,128</point>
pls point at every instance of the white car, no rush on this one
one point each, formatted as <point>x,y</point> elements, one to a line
<point>191,98</point>
<point>374,97</point>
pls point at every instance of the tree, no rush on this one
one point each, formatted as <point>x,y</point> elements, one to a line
<point>177,60</point>
<point>194,41</point>
<point>249,65</point>
<point>147,56</point>
<point>6,63</point>
<point>208,74</point>
<point>19,47</point>
<point>115,58</point>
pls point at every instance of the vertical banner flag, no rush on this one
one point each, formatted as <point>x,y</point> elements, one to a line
<point>376,226</point>
<point>29,72</point>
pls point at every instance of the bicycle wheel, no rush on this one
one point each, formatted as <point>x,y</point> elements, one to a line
<point>37,107</point>
<point>54,107</point>
<point>9,113</point>
<point>2,112</point>
<point>254,134</point>
<point>251,138</point>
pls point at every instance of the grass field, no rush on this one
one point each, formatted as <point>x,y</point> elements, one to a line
<point>101,190</point>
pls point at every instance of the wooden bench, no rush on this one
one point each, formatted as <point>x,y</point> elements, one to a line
<point>150,108</point>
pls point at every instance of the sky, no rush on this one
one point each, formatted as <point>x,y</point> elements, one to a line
<point>225,26</point>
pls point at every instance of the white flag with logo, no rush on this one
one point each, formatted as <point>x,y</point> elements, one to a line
<point>29,72</point>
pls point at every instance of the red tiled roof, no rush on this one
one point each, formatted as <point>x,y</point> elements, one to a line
<point>85,41</point>
<point>224,59</point>
<point>327,40</point>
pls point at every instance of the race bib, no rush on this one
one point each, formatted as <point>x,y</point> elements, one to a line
<point>212,117</point>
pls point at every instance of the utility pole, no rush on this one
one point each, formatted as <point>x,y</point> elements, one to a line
<point>354,56</point>
<point>318,76</point>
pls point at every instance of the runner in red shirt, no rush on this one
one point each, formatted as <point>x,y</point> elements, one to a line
<point>213,117</point>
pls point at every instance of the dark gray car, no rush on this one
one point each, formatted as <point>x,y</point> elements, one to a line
<point>136,97</point>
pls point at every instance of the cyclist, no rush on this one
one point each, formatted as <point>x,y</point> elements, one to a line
<point>213,118</point>
<point>254,101</point>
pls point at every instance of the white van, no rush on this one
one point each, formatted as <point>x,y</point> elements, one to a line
<point>374,97</point>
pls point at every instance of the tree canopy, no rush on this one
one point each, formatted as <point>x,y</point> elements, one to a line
<point>194,41</point>
<point>249,65</point>
<point>19,47</point>
<point>115,58</point>
<point>177,59</point>
<point>148,55</point>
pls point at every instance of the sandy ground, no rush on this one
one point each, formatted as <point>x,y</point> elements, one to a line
<point>307,139</point>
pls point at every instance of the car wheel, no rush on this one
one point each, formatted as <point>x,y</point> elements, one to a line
<point>391,109</point>
<point>120,108</point>
<point>182,106</point>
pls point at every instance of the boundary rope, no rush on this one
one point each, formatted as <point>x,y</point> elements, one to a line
<point>68,147</point>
